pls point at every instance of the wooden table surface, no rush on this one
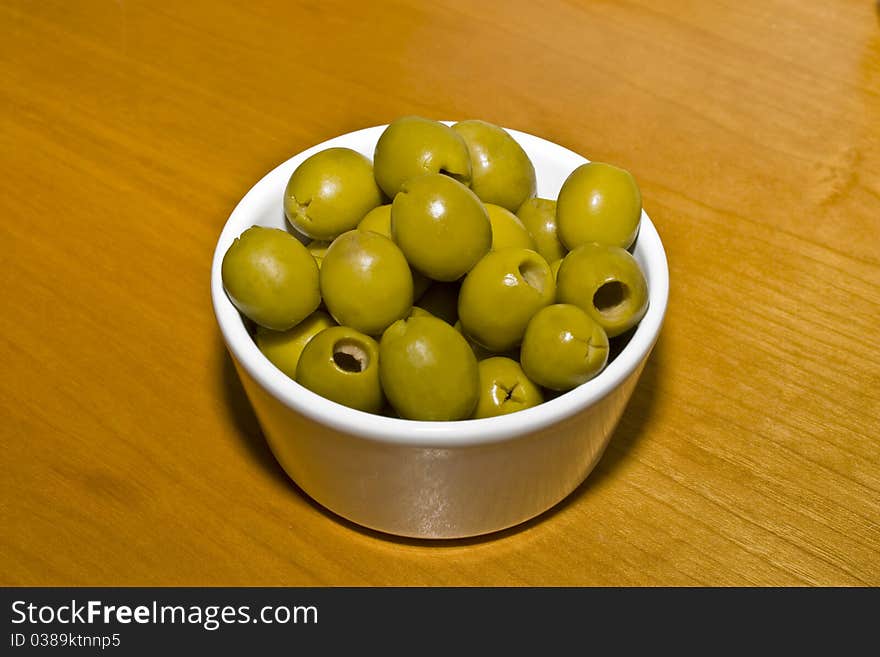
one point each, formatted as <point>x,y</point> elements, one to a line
<point>749,454</point>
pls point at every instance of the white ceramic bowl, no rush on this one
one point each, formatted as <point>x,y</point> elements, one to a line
<point>435,479</point>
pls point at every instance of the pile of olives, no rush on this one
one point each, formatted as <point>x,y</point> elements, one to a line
<point>432,284</point>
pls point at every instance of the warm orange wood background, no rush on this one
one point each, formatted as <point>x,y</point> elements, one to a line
<point>129,130</point>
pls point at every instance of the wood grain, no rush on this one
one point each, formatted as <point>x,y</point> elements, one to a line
<point>749,454</point>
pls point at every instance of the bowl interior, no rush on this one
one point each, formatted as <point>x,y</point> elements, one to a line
<point>263,205</point>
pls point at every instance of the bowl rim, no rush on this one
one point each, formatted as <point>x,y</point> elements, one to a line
<point>438,434</point>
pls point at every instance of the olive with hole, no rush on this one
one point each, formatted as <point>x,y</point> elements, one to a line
<point>599,202</point>
<point>607,283</point>
<point>502,172</point>
<point>330,192</point>
<point>504,388</point>
<point>501,293</point>
<point>441,226</point>
<point>412,146</point>
<point>427,370</point>
<point>378,220</point>
<point>271,278</point>
<point>563,347</point>
<point>539,217</point>
<point>366,282</point>
<point>283,348</point>
<point>507,229</point>
<point>342,365</point>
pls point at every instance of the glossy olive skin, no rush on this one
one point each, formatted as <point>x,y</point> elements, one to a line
<point>502,174</point>
<point>330,192</point>
<point>283,348</point>
<point>554,269</point>
<point>378,220</point>
<point>415,311</point>
<point>504,388</point>
<point>441,300</point>
<point>539,217</point>
<point>428,371</point>
<point>441,226</point>
<point>607,283</point>
<point>271,278</point>
<point>507,229</point>
<point>366,282</point>
<point>480,352</point>
<point>599,202</point>
<point>563,347</point>
<point>501,293</point>
<point>342,365</point>
<point>412,146</point>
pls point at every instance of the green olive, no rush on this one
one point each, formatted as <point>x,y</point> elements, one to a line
<point>539,217</point>
<point>271,278</point>
<point>607,283</point>
<point>342,365</point>
<point>504,388</point>
<point>501,293</point>
<point>378,220</point>
<point>330,192</point>
<point>415,311</point>
<point>502,174</point>
<point>318,249</point>
<point>427,370</point>
<point>507,229</point>
<point>554,269</point>
<point>283,348</point>
<point>480,352</point>
<point>412,146</point>
<point>600,203</point>
<point>563,347</point>
<point>441,300</point>
<point>366,282</point>
<point>441,226</point>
